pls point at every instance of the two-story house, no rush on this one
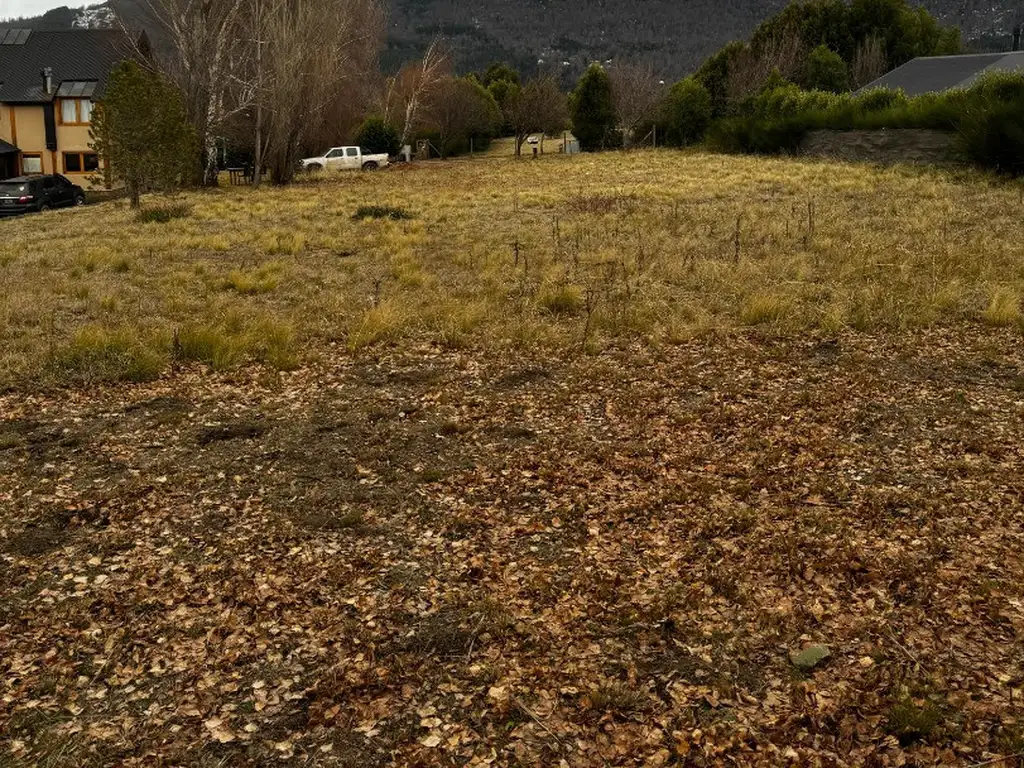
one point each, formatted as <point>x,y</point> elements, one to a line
<point>49,82</point>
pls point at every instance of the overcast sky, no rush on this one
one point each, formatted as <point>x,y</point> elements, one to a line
<point>14,8</point>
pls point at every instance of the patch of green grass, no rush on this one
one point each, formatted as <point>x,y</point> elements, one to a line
<point>381,212</point>
<point>229,343</point>
<point>264,279</point>
<point>274,344</point>
<point>164,214</point>
<point>377,325</point>
<point>121,265</point>
<point>209,345</point>
<point>97,354</point>
<point>617,698</point>
<point>561,300</point>
<point>914,720</point>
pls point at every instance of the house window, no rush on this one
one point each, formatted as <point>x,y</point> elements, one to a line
<point>75,111</point>
<point>31,163</point>
<point>81,162</point>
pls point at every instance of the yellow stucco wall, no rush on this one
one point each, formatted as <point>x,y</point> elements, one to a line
<point>5,124</point>
<point>72,138</point>
<point>24,127</point>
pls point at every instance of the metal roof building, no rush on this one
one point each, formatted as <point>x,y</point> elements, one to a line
<point>934,74</point>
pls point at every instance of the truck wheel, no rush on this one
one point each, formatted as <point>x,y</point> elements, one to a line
<point>314,167</point>
<point>370,166</point>
<point>79,200</point>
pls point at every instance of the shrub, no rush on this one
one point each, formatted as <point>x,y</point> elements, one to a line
<point>985,116</point>
<point>141,129</point>
<point>377,136</point>
<point>826,71</point>
<point>752,136</point>
<point>381,212</point>
<point>791,101</point>
<point>991,131</point>
<point>164,213</point>
<point>687,113</point>
<point>592,108</point>
<point>878,99</point>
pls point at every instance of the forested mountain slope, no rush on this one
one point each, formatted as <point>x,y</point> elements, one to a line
<point>673,35</point>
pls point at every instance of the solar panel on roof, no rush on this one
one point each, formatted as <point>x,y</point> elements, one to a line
<point>14,36</point>
<point>76,89</point>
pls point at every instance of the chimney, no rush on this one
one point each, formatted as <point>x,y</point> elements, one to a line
<point>1016,37</point>
<point>48,81</point>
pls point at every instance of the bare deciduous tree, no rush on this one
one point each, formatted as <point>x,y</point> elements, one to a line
<point>750,68</point>
<point>208,59</point>
<point>407,93</point>
<point>539,106</point>
<point>461,109</point>
<point>637,92</point>
<point>309,65</point>
<point>869,62</point>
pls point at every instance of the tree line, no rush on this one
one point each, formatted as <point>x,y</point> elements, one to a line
<point>274,80</point>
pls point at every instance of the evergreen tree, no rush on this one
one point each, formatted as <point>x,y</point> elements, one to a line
<point>377,136</point>
<point>500,71</point>
<point>826,71</point>
<point>141,131</point>
<point>592,109</point>
<point>687,113</point>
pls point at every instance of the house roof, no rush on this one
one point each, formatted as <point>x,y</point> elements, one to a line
<point>934,74</point>
<point>7,149</point>
<point>75,56</point>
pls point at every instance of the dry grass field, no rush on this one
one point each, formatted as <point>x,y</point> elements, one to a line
<point>582,461</point>
<point>563,254</point>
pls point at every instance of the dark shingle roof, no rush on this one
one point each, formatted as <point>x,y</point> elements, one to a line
<point>79,55</point>
<point>933,74</point>
<point>7,149</point>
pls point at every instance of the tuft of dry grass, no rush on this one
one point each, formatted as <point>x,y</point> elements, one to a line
<point>569,253</point>
<point>1003,308</point>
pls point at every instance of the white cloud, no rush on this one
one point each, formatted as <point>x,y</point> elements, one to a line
<point>10,9</point>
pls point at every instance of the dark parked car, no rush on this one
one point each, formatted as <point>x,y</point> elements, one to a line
<point>38,193</point>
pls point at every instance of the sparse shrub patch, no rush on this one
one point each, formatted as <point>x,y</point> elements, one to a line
<point>381,212</point>
<point>164,214</point>
<point>561,300</point>
<point>97,355</point>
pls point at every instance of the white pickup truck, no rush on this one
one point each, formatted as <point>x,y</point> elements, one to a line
<point>345,159</point>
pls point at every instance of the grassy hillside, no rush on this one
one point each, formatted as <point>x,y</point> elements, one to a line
<point>634,459</point>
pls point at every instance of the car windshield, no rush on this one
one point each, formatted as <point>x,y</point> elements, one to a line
<point>12,189</point>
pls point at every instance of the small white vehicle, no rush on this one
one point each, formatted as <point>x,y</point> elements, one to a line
<point>345,159</point>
